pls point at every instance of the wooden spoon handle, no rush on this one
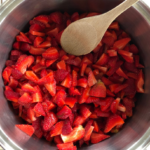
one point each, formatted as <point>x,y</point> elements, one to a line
<point>114,13</point>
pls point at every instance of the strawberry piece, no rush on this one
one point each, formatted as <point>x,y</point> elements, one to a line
<point>51,87</point>
<point>70,101</point>
<point>6,73</point>
<point>102,69</point>
<point>85,112</point>
<point>60,75</point>
<point>61,65</point>
<point>16,45</point>
<point>10,94</point>
<point>38,108</point>
<point>49,120</point>
<point>65,146</point>
<point>48,105</point>
<point>59,98</point>
<point>112,53</point>
<point>91,79</point>
<point>51,53</point>
<point>76,134</point>
<point>36,33</point>
<point>13,83</point>
<point>75,61</point>
<point>137,64</point>
<point>100,113</point>
<point>57,129</point>
<point>125,53</point>
<point>30,75</point>
<point>74,78</point>
<point>103,60</point>
<point>45,44</point>
<point>120,88</point>
<point>14,55</point>
<point>113,121</point>
<point>24,64</point>
<point>56,17</point>
<point>82,82</point>
<point>121,73</point>
<point>25,99</point>
<point>114,105</point>
<point>75,16</point>
<point>109,93</point>
<point>42,18</point>
<point>22,38</point>
<point>130,67</point>
<point>83,68</point>
<point>108,40</point>
<point>50,62</point>
<point>37,96</point>
<point>46,79</point>
<point>97,137</point>
<point>120,44</point>
<point>36,50</point>
<point>121,108</point>
<point>98,90</point>
<point>66,127</point>
<point>84,95</point>
<point>114,26</point>
<point>73,91</point>
<point>140,82</point>
<point>31,114</point>
<point>38,40</point>
<point>133,49</point>
<point>58,139</point>
<point>96,127</point>
<point>128,58</point>
<point>37,27</point>
<point>28,129</point>
<point>64,113</point>
<point>92,99</point>
<point>88,133</point>
<point>25,47</point>
<point>106,81</point>
<point>79,120</point>
<point>38,67</point>
<point>67,82</point>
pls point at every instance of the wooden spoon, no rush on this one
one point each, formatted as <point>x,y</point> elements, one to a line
<point>82,36</point>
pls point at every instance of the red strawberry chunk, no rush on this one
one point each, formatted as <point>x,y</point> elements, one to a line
<point>106,81</point>
<point>74,78</point>
<point>108,40</point>
<point>38,108</point>
<point>61,65</point>
<point>67,82</point>
<point>82,82</point>
<point>28,88</point>
<point>101,113</point>
<point>58,139</point>
<point>64,113</point>
<point>92,99</point>
<point>13,83</point>
<point>22,38</point>
<point>83,68</point>
<point>133,49</point>
<point>88,133</point>
<point>59,98</point>
<point>42,18</point>
<point>114,105</point>
<point>96,127</point>
<point>79,120</point>
<point>113,121</point>
<point>37,96</point>
<point>112,53</point>
<point>49,120</point>
<point>51,53</point>
<point>60,74</point>
<point>70,101</point>
<point>24,64</point>
<point>76,134</point>
<point>66,127</point>
<point>10,94</point>
<point>121,73</point>
<point>140,82</point>
<point>28,129</point>
<point>97,137</point>
<point>36,51</point>
<point>84,95</point>
<point>103,60</point>
<point>25,99</point>
<point>91,79</point>
<point>6,73</point>
<point>57,129</point>
<point>31,114</point>
<point>30,75</point>
<point>121,108</point>
<point>85,112</point>
<point>98,90</point>
<point>65,146</point>
<point>51,87</point>
<point>73,91</point>
<point>38,40</point>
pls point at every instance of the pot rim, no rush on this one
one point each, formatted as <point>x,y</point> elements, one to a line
<point>7,7</point>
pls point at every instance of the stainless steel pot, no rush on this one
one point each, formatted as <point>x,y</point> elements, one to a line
<point>14,16</point>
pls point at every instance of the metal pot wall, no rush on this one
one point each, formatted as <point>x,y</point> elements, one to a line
<point>14,17</point>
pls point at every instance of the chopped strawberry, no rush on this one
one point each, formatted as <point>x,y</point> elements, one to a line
<point>65,146</point>
<point>106,81</point>
<point>57,129</point>
<point>30,75</point>
<point>42,18</point>
<point>97,137</point>
<point>22,38</point>
<point>28,129</point>
<point>70,101</point>
<point>112,53</point>
<point>6,73</point>
<point>61,65</point>
<point>96,127</point>
<point>108,40</point>
<point>84,95</point>
<point>28,88</point>
<point>38,40</point>
<point>114,26</point>
<point>51,53</point>
<point>51,87</point>
<point>36,51</point>
<point>13,83</point>
<point>103,60</point>
<point>133,49</point>
<point>66,127</point>
<point>37,96</point>
<point>64,113</point>
<point>121,108</point>
<point>82,82</point>
<point>24,64</point>
<point>100,113</point>
<point>67,82</point>
<point>74,78</point>
<point>49,120</point>
<point>98,90</point>
<point>92,99</point>
<point>113,121</point>
<point>91,79</point>
<point>25,99</point>
<point>60,74</point>
<point>140,82</point>
<point>10,94</point>
<point>31,114</point>
<point>59,98</point>
<point>79,120</point>
<point>85,112</point>
<point>73,91</point>
<point>83,68</point>
<point>76,134</point>
<point>130,67</point>
<point>58,139</point>
<point>120,44</point>
<point>38,108</point>
<point>102,69</point>
<point>121,73</point>
<point>114,105</point>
